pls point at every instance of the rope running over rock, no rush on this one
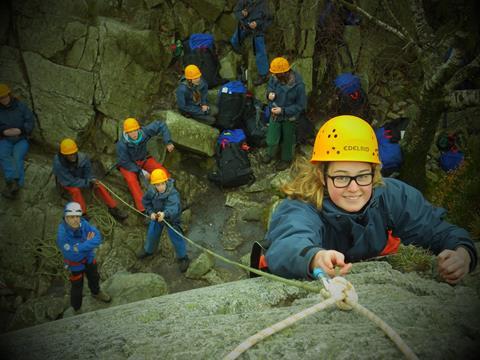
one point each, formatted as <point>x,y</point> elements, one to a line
<point>340,292</point>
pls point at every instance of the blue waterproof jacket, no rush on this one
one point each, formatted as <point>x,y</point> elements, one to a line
<point>184,95</point>
<point>129,151</point>
<point>291,97</point>
<point>298,230</point>
<point>67,238</point>
<point>77,174</point>
<point>167,202</point>
<point>16,115</point>
<point>257,11</point>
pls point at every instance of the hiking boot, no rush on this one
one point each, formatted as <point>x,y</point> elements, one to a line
<point>117,213</point>
<point>282,165</point>
<point>183,263</point>
<point>102,296</point>
<point>15,187</point>
<point>8,190</point>
<point>267,159</point>
<point>261,79</point>
<point>142,254</point>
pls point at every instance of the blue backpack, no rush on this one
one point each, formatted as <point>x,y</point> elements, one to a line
<point>347,83</point>
<point>390,152</point>
<point>231,136</point>
<point>201,41</point>
<point>450,160</point>
<point>233,164</point>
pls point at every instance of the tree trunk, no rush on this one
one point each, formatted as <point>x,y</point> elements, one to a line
<point>418,139</point>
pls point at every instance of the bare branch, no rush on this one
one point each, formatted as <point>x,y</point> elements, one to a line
<point>464,73</point>
<point>386,5</point>
<point>373,19</point>
<point>461,99</point>
<point>443,73</point>
<point>424,31</point>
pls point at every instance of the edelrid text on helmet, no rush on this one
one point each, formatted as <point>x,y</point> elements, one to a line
<point>72,209</point>
<point>130,124</point>
<point>158,176</point>
<point>68,147</point>
<point>192,72</point>
<point>346,138</point>
<point>279,65</point>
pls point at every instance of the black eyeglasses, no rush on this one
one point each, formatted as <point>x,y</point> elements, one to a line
<point>343,181</point>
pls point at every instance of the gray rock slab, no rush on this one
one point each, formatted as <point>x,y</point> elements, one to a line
<point>191,134</point>
<point>436,320</point>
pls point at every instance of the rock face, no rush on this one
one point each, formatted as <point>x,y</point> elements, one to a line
<point>435,320</point>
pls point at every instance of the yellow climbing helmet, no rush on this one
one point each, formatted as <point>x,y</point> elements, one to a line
<point>4,90</point>
<point>158,176</point>
<point>192,72</point>
<point>346,138</point>
<point>130,124</point>
<point>68,147</point>
<point>279,65</point>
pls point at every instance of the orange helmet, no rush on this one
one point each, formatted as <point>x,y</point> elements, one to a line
<point>158,176</point>
<point>192,72</point>
<point>4,90</point>
<point>68,147</point>
<point>279,65</point>
<point>346,138</point>
<point>130,124</point>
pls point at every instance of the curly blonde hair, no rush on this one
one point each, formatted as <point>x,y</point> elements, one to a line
<point>307,183</point>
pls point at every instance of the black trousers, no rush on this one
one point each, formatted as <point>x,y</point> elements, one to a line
<point>76,279</point>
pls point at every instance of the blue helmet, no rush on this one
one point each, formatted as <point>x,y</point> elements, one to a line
<point>72,209</point>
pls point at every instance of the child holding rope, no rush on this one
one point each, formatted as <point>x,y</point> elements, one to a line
<point>339,210</point>
<point>162,202</point>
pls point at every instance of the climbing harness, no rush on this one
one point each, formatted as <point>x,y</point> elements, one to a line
<point>337,291</point>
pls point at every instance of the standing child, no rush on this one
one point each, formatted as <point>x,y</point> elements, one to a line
<point>77,240</point>
<point>162,201</point>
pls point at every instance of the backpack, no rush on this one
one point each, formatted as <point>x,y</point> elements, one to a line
<point>450,155</point>
<point>450,160</point>
<point>199,50</point>
<point>231,101</point>
<point>389,149</point>
<point>347,83</point>
<point>233,165</point>
<point>254,121</point>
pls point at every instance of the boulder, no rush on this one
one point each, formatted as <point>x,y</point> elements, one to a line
<point>126,76</point>
<point>37,311</point>
<point>191,134</point>
<point>200,266</point>
<point>84,52</point>
<point>434,319</point>
<point>63,109</point>
<point>11,73</point>
<point>208,9</point>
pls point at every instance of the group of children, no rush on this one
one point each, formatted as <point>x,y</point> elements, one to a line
<point>338,208</point>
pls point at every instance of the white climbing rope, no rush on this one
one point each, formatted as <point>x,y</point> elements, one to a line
<point>338,290</point>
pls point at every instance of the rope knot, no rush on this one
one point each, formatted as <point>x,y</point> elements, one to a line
<point>343,292</point>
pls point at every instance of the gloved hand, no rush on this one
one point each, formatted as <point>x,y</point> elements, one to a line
<point>160,216</point>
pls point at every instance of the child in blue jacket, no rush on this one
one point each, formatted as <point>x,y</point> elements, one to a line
<point>162,202</point>
<point>77,240</point>
<point>339,210</point>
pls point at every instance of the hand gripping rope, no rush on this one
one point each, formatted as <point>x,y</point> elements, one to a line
<point>338,291</point>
